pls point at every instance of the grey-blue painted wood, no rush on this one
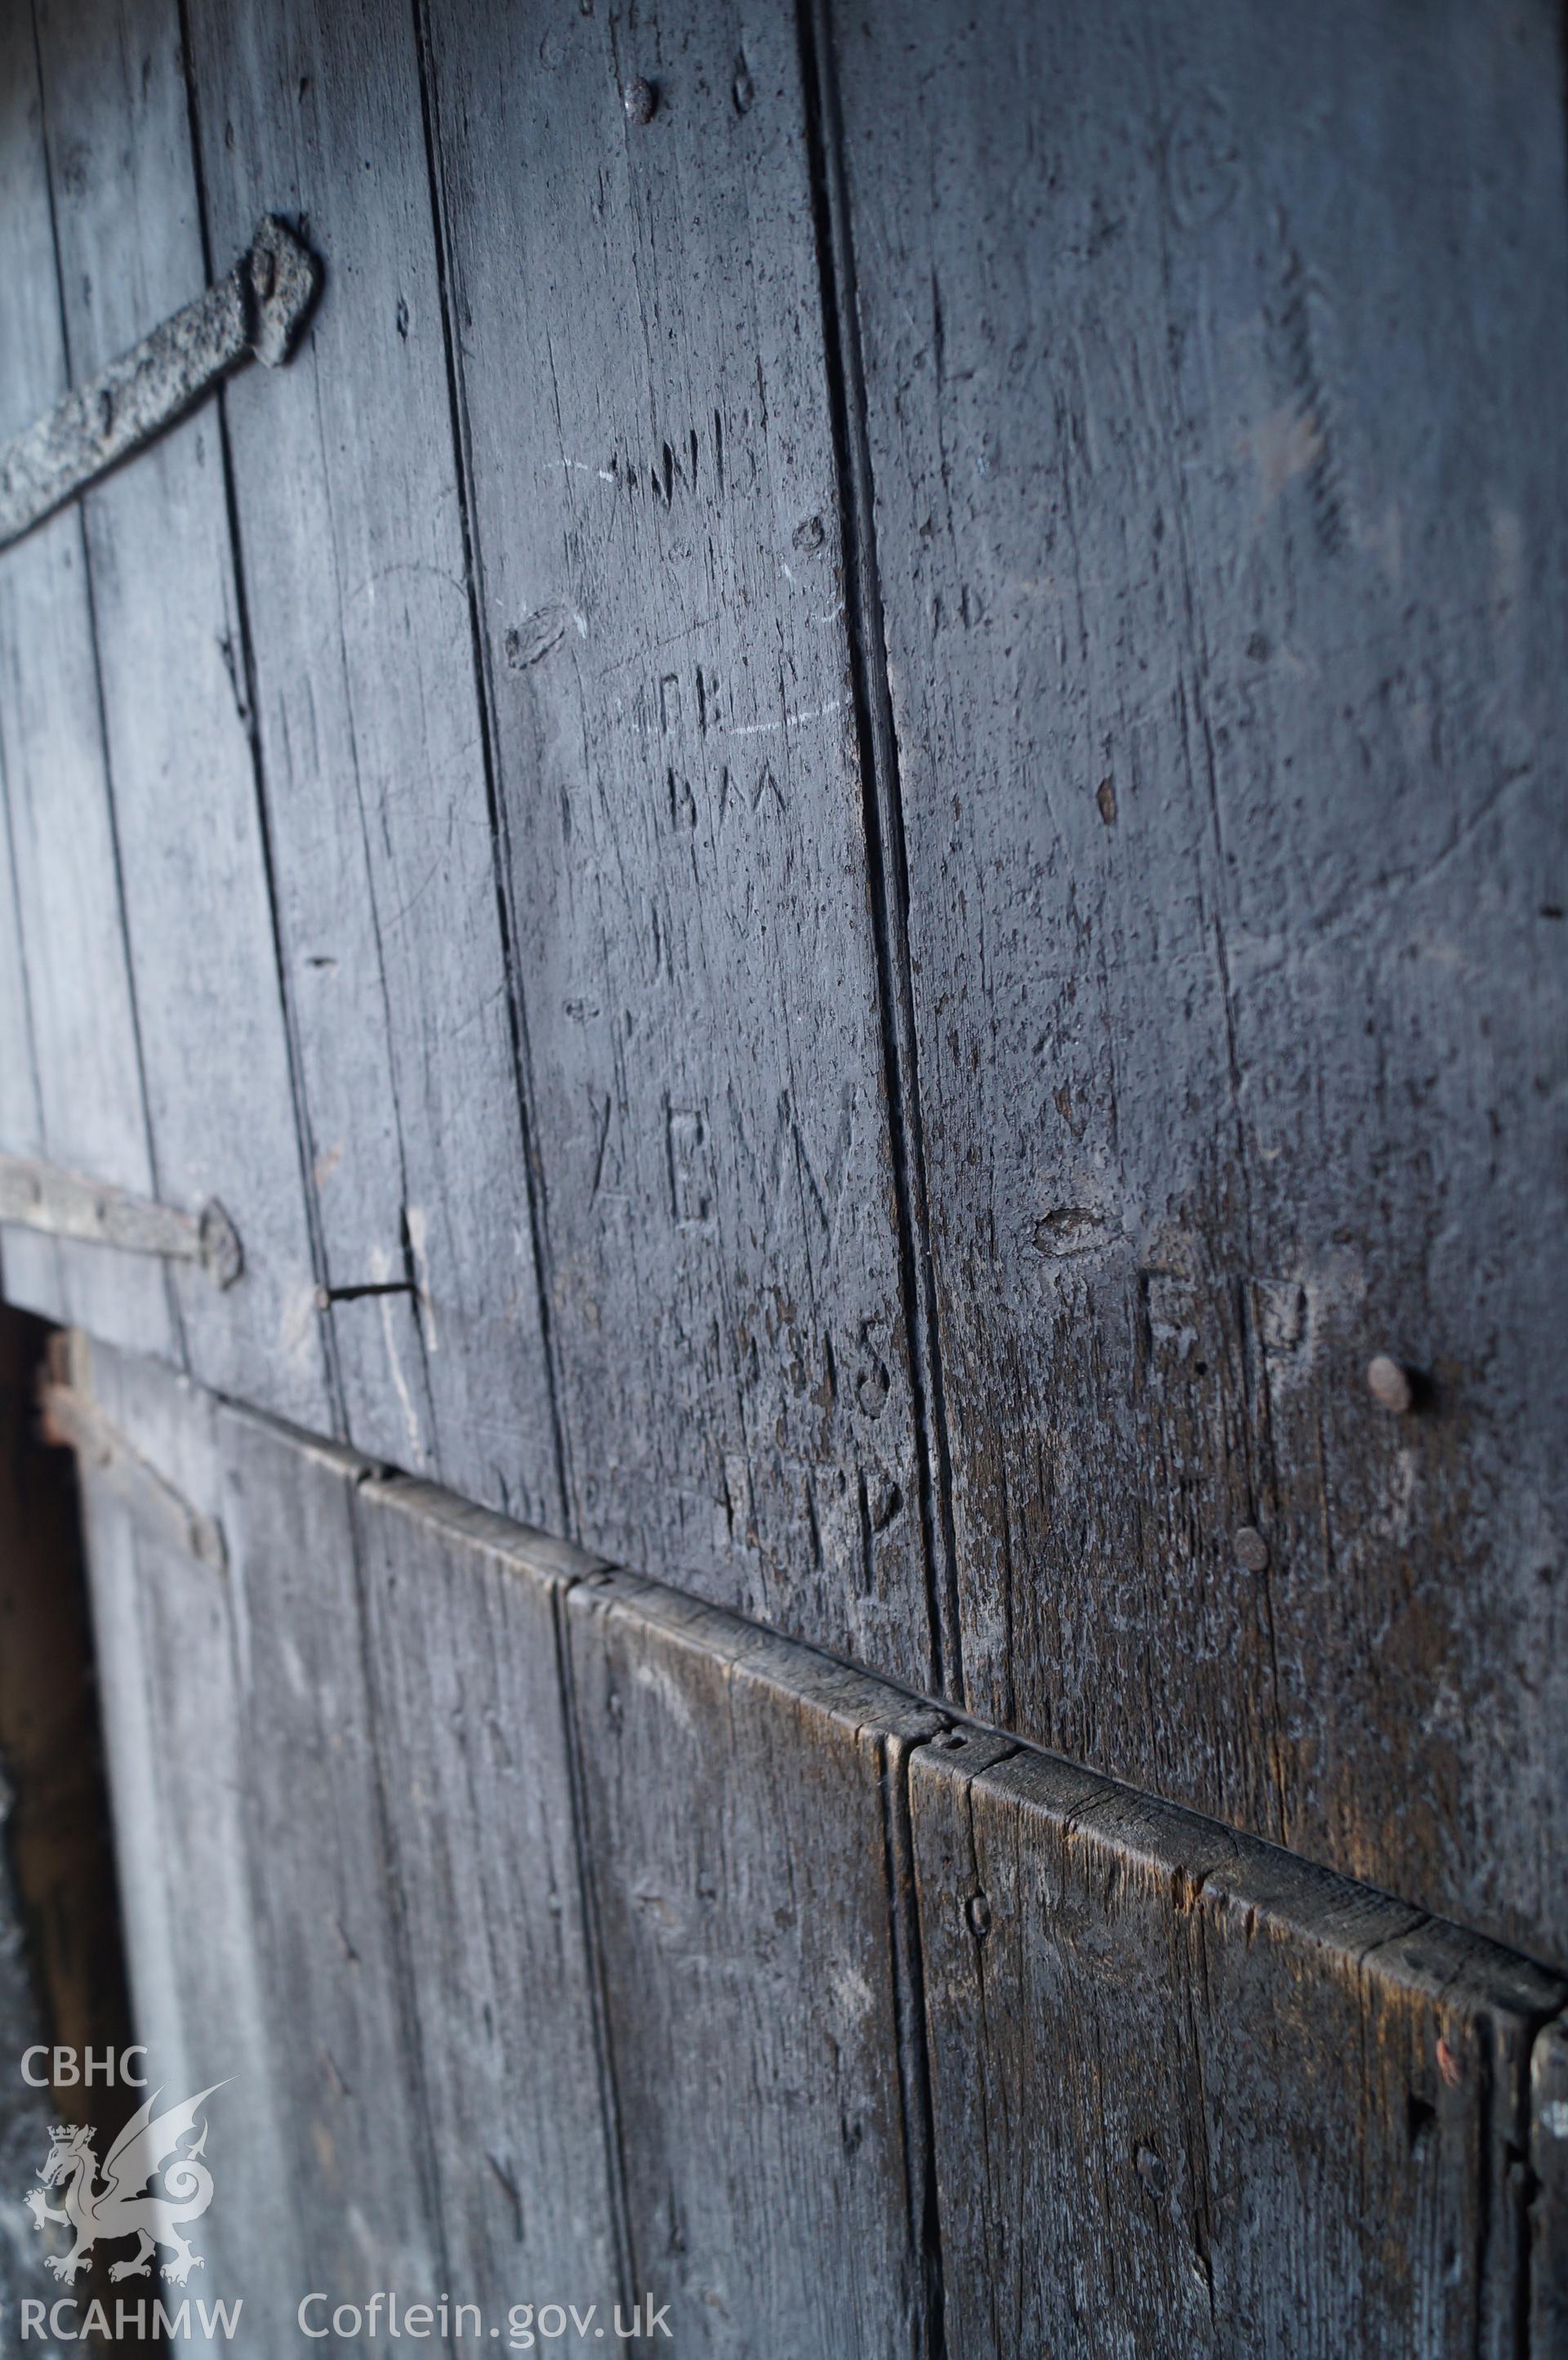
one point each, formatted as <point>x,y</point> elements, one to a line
<point>368,722</point>
<point>71,1084</point>
<point>1216,514</point>
<point>172,1675</point>
<point>654,491</point>
<point>173,671</point>
<point>741,1806</point>
<point>460,1612</point>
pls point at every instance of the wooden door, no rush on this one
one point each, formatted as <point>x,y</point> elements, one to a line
<point>839,832</point>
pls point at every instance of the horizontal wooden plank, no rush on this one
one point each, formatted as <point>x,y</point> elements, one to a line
<point>1191,2093</point>
<point>1215,506</point>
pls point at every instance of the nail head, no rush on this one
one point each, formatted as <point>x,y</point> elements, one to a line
<point>1390,1384</point>
<point>1251,1550</point>
<point>640,98</point>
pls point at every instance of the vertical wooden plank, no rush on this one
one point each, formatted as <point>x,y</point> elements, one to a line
<point>344,2057</point>
<point>70,1090</point>
<point>174,1725</point>
<point>637,314</point>
<point>29,1265</point>
<point>752,1995</point>
<point>460,1610</point>
<point>1202,358</point>
<point>368,719</point>
<point>1547,2168</point>
<point>172,663</point>
<point>1190,2094</point>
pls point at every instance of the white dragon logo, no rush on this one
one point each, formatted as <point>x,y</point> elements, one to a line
<point>124,2207</point>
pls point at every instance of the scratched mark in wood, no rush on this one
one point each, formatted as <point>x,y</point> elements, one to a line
<point>1221,629</point>
<point>637,315</point>
<point>803,1961</point>
<point>1191,2094</point>
<point>368,720</point>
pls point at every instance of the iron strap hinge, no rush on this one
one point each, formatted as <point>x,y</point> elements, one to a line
<point>64,1205</point>
<point>73,1420</point>
<point>258,309</point>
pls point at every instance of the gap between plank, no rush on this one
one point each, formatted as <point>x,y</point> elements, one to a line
<point>171,1292</point>
<point>304,1144</point>
<point>500,845</point>
<point>884,824</point>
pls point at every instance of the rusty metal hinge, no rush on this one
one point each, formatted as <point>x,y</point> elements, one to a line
<point>73,1421</point>
<point>64,1205</point>
<point>258,309</point>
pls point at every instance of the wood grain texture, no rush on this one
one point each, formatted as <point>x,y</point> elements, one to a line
<point>172,664</point>
<point>368,720</point>
<point>343,2051</point>
<point>29,1264</point>
<point>71,1087</point>
<point>171,1675</point>
<point>584,1943</point>
<point>460,1610</point>
<point>740,1795</point>
<point>636,317</point>
<point>1548,2183</point>
<point>1192,2095</point>
<point>1214,515</point>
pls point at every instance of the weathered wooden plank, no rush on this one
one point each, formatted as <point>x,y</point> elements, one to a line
<point>171,1675</point>
<point>636,317</point>
<point>29,1262</point>
<point>1191,2094</point>
<point>344,2052</point>
<point>739,1800</point>
<point>368,719</point>
<point>70,1073</point>
<point>460,1613</point>
<point>1214,512</point>
<point>344,1795</point>
<point>1548,2183</point>
<point>172,664</point>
